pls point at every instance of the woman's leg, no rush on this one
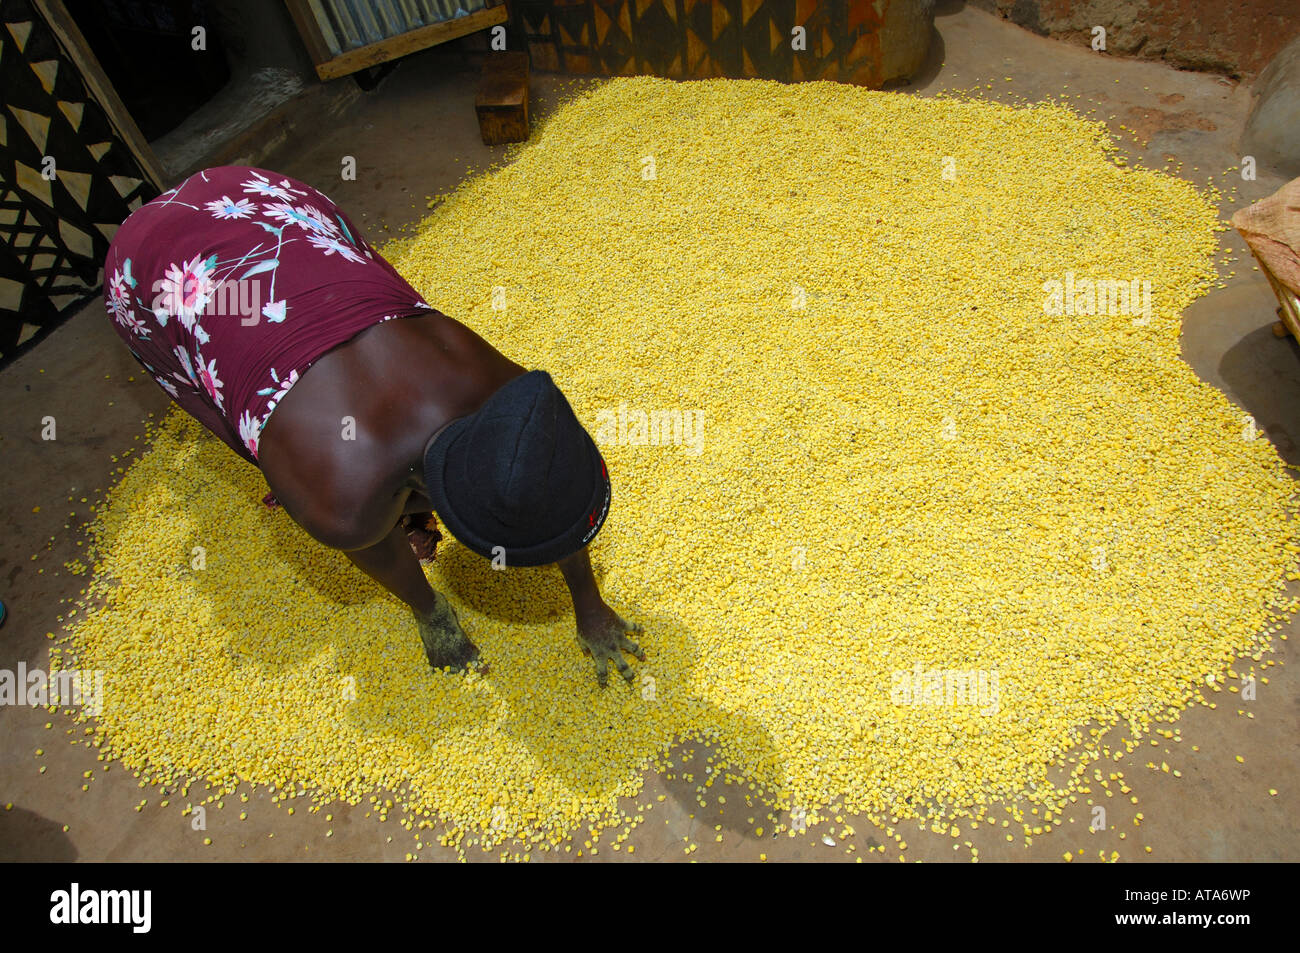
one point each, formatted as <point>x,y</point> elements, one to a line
<point>391,563</point>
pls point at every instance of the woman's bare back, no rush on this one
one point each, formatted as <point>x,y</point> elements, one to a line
<point>342,451</point>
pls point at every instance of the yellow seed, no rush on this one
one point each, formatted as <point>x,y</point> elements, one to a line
<point>812,310</point>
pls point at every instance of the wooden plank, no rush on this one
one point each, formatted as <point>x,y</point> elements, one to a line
<point>394,46</point>
<point>97,82</point>
<point>309,30</point>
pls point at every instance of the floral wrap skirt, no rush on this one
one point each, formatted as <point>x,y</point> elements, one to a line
<point>229,286</point>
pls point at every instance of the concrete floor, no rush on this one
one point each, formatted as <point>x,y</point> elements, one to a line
<point>416,136</point>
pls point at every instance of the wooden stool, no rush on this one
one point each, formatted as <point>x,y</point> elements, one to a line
<point>502,101</point>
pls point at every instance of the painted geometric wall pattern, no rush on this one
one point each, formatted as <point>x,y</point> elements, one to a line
<point>698,39</point>
<point>55,233</point>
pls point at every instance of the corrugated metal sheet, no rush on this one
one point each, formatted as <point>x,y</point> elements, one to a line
<point>347,24</point>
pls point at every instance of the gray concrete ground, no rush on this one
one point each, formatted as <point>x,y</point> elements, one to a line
<point>416,136</point>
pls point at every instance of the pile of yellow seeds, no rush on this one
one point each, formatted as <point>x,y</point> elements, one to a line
<point>904,465</point>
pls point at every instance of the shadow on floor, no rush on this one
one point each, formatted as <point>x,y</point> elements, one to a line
<point>1263,374</point>
<point>930,69</point>
<point>26,837</point>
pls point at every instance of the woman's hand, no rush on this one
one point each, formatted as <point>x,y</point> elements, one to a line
<point>602,632</point>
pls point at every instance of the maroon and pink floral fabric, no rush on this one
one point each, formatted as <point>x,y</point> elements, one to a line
<point>229,286</point>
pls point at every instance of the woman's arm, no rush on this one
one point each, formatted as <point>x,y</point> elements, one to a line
<point>602,632</point>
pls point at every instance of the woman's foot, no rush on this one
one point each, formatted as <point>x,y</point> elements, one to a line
<point>445,642</point>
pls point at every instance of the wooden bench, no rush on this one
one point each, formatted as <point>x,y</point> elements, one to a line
<point>502,101</point>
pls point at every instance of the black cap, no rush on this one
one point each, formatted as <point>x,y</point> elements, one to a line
<point>521,473</point>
